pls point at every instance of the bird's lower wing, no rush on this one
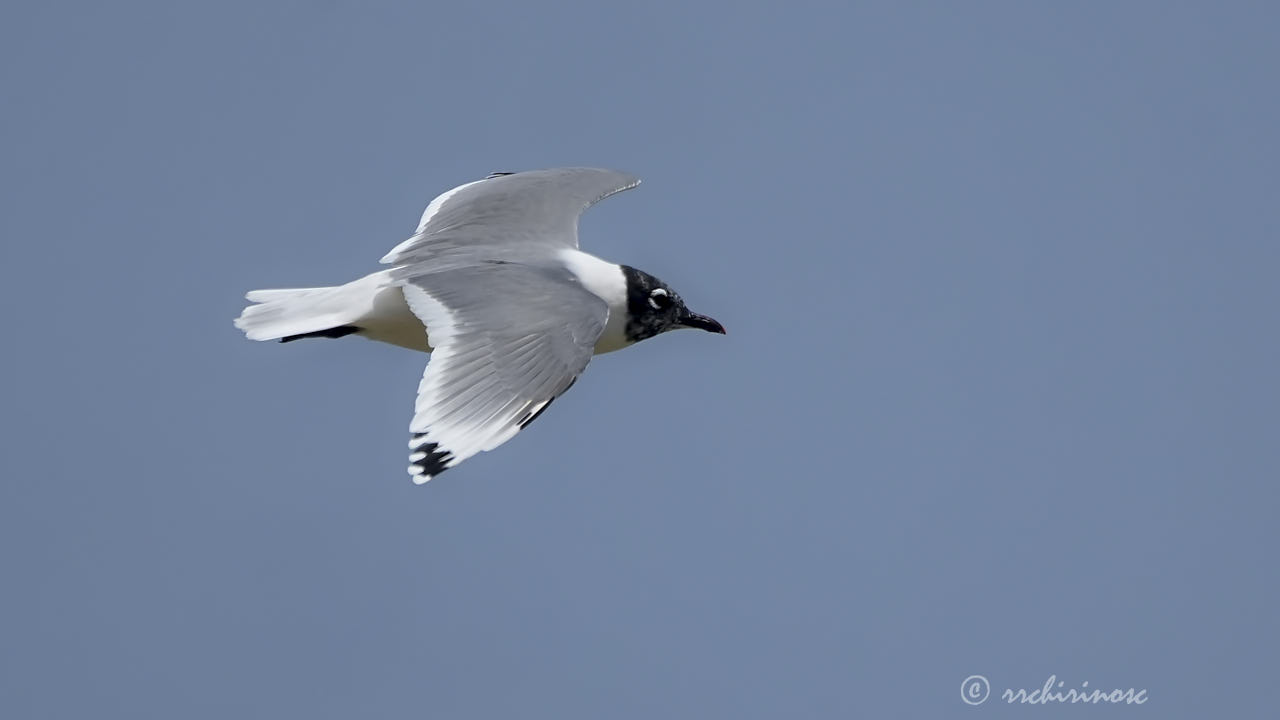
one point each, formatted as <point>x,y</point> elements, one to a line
<point>508,340</point>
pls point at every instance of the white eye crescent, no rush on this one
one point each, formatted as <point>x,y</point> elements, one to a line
<point>655,302</point>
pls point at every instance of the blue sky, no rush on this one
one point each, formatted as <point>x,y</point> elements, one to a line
<point>999,394</point>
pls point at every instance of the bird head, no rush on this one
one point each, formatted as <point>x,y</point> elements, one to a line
<point>654,308</point>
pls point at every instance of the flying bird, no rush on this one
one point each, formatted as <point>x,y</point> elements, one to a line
<point>493,285</point>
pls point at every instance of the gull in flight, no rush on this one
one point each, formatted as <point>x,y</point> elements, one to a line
<point>493,285</point>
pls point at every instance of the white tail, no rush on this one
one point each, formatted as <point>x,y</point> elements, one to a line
<point>372,306</point>
<point>295,311</point>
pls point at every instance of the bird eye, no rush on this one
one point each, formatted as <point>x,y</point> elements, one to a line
<point>659,299</point>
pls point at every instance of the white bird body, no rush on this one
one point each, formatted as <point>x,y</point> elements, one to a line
<point>493,285</point>
<point>375,304</point>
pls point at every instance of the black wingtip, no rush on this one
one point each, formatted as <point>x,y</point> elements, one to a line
<point>333,332</point>
<point>433,461</point>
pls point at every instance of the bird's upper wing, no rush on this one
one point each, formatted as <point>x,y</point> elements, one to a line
<point>505,210</point>
<point>508,340</point>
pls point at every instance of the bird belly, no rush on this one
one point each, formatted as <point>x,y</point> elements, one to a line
<point>613,337</point>
<point>391,321</point>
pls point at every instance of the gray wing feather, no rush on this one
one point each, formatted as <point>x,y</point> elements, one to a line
<point>508,340</point>
<point>501,212</point>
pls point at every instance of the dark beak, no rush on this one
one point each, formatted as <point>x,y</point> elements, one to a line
<point>701,322</point>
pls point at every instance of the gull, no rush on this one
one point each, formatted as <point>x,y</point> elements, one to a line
<point>491,284</point>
